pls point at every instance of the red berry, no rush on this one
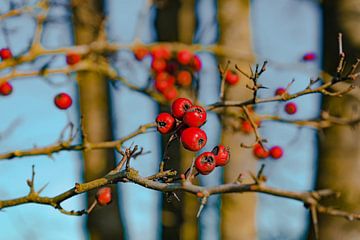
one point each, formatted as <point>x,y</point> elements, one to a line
<point>160,52</point>
<point>140,53</point>
<point>260,152</point>
<point>5,53</point>
<point>72,58</point>
<point>6,89</point>
<point>309,56</point>
<point>63,101</point>
<point>158,65</point>
<point>185,57</point>
<point>195,116</point>
<point>165,123</point>
<point>280,91</point>
<point>231,77</point>
<point>246,127</point>
<point>205,163</point>
<point>193,139</point>
<point>222,155</point>
<point>184,78</point>
<point>180,106</point>
<point>170,93</point>
<point>290,108</point>
<point>164,81</point>
<point>103,196</point>
<point>196,63</point>
<point>276,152</point>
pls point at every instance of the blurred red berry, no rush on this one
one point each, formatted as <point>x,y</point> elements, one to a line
<point>103,196</point>
<point>193,139</point>
<point>5,53</point>
<point>164,81</point>
<point>184,78</point>
<point>276,152</point>
<point>260,152</point>
<point>185,57</point>
<point>196,63</point>
<point>6,89</point>
<point>158,65</point>
<point>309,56</point>
<point>165,123</point>
<point>63,101</point>
<point>205,163</point>
<point>180,106</point>
<point>170,93</point>
<point>195,116</point>
<point>290,108</point>
<point>160,52</point>
<point>140,53</point>
<point>72,58</point>
<point>246,127</point>
<point>222,155</point>
<point>231,77</point>
<point>280,91</point>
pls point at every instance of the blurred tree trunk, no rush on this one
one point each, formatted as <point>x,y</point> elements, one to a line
<point>339,163</point>
<point>102,223</point>
<point>238,210</point>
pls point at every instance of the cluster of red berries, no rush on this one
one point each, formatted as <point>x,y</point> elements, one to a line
<point>290,107</point>
<point>260,152</point>
<point>5,88</point>
<point>206,162</point>
<point>185,121</point>
<point>170,69</point>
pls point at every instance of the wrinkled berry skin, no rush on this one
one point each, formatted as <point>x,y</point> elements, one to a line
<point>222,155</point>
<point>205,163</point>
<point>276,152</point>
<point>290,108</point>
<point>193,139</point>
<point>180,106</point>
<point>260,152</point>
<point>165,123</point>
<point>195,116</point>
<point>6,89</point>
<point>63,101</point>
<point>231,78</point>
<point>103,196</point>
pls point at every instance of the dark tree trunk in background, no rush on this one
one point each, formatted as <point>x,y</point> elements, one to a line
<point>234,18</point>
<point>103,222</point>
<point>339,163</point>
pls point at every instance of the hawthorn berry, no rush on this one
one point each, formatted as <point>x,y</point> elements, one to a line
<point>103,196</point>
<point>63,101</point>
<point>196,63</point>
<point>280,91</point>
<point>6,89</point>
<point>72,58</point>
<point>184,78</point>
<point>290,108</point>
<point>5,53</point>
<point>170,93</point>
<point>165,123</point>
<point>185,57</point>
<point>205,163</point>
<point>222,155</point>
<point>309,56</point>
<point>276,152</point>
<point>193,139</point>
<point>158,65</point>
<point>140,53</point>
<point>231,77</point>
<point>246,127</point>
<point>160,52</point>
<point>195,116</point>
<point>180,106</point>
<point>260,152</point>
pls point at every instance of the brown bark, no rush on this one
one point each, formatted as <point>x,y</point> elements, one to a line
<point>104,222</point>
<point>234,18</point>
<point>339,162</point>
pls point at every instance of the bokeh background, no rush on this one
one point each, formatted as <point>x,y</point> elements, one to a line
<point>280,31</point>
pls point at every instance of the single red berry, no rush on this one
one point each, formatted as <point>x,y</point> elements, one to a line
<point>196,63</point>
<point>158,65</point>
<point>276,152</point>
<point>180,106</point>
<point>231,77</point>
<point>170,93</point>
<point>185,57</point>
<point>280,91</point>
<point>222,155</point>
<point>6,89</point>
<point>184,78</point>
<point>5,53</point>
<point>309,56</point>
<point>246,127</point>
<point>260,152</point>
<point>161,52</point>
<point>103,196</point>
<point>205,163</point>
<point>164,81</point>
<point>195,116</point>
<point>193,139</point>
<point>72,58</point>
<point>165,123</point>
<point>63,101</point>
<point>140,53</point>
<point>290,108</point>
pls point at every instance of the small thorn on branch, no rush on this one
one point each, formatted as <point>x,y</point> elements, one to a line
<point>203,203</point>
